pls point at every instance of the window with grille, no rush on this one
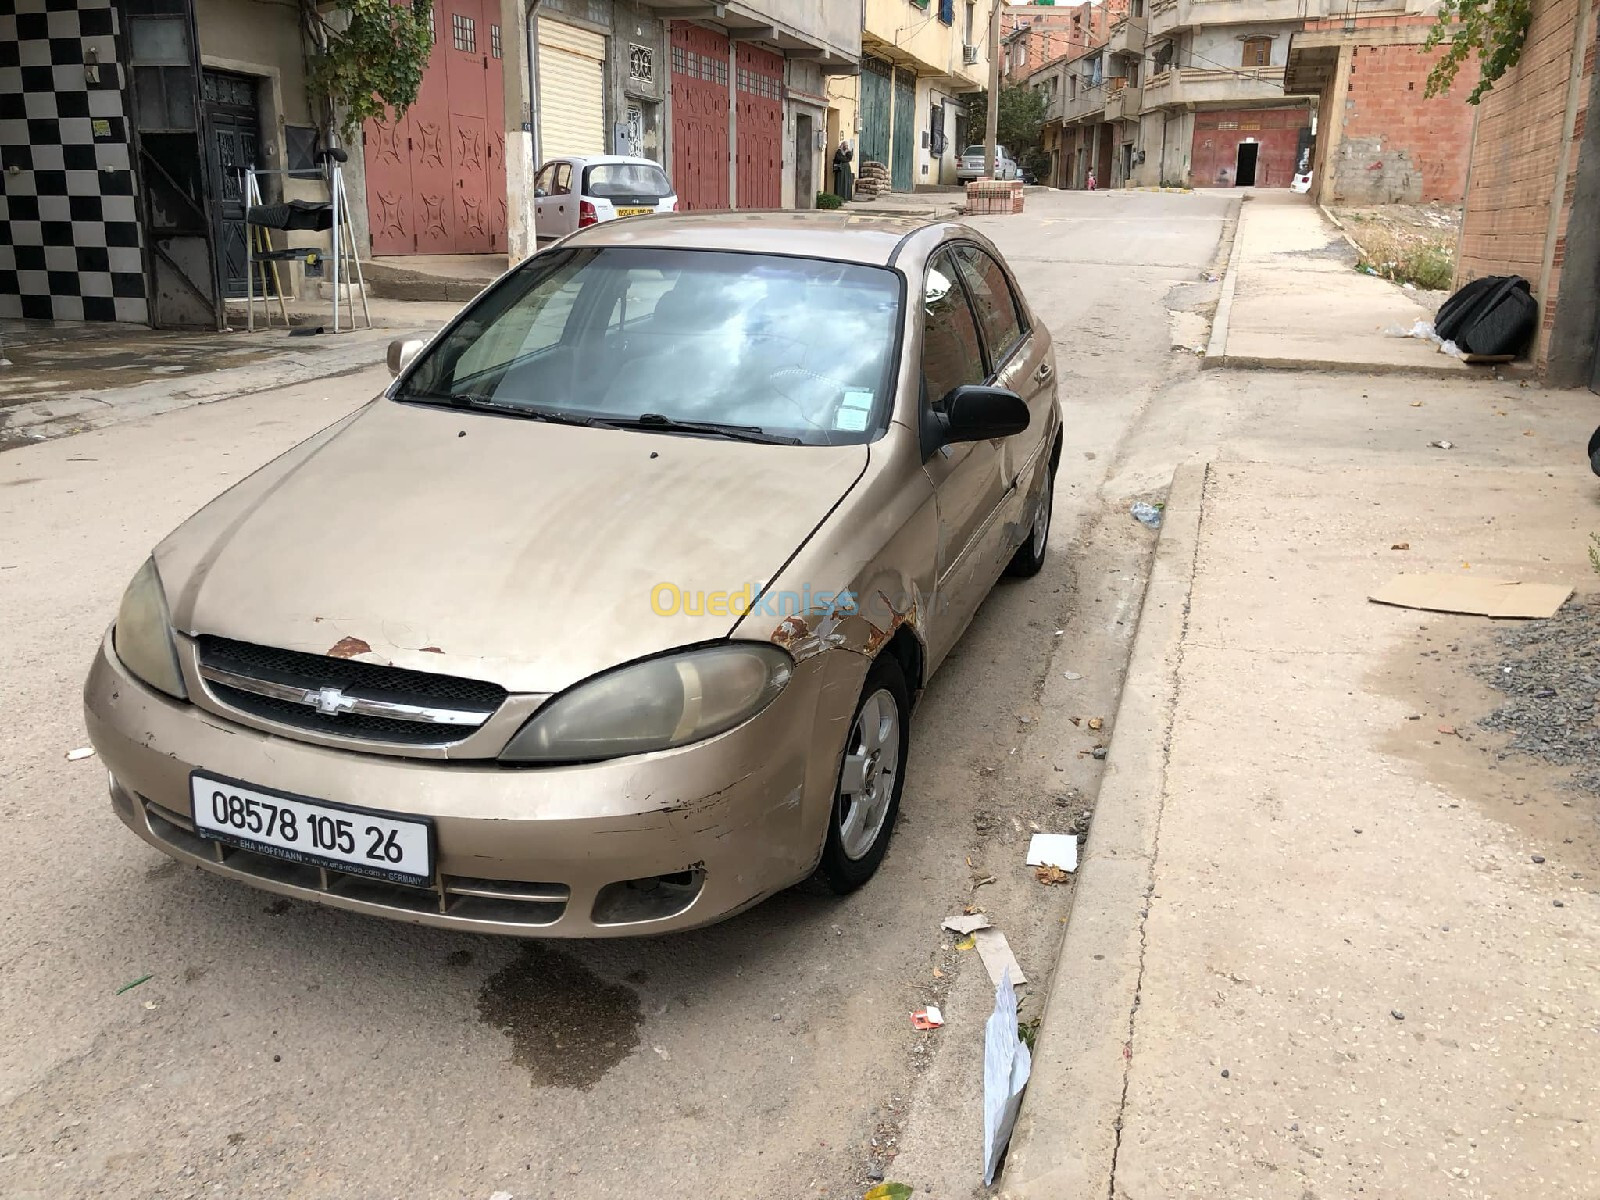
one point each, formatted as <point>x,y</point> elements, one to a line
<point>494,40</point>
<point>465,32</point>
<point>1257,52</point>
<point>641,64</point>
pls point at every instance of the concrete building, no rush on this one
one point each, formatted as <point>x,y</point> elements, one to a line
<point>1077,135</point>
<point>1379,140</point>
<point>1210,103</point>
<point>122,133</point>
<point>1533,188</point>
<point>907,107</point>
<point>1035,35</point>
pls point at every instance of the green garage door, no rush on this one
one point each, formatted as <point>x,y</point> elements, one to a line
<point>874,112</point>
<point>905,131</point>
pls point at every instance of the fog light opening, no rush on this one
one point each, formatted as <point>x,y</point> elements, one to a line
<point>653,898</point>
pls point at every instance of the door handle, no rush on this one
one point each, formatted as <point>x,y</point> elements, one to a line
<point>1044,372</point>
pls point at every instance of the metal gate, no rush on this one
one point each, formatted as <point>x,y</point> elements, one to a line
<point>699,116</point>
<point>875,87</point>
<point>436,179</point>
<point>572,113</point>
<point>905,130</point>
<point>235,121</point>
<point>760,126</point>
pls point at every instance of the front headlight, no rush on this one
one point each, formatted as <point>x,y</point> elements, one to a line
<point>655,705</point>
<point>143,634</point>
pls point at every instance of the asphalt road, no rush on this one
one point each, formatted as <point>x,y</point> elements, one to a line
<point>279,1049</point>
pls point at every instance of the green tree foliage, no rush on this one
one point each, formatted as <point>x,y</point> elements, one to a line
<point>1022,111</point>
<point>1495,30</point>
<point>365,57</point>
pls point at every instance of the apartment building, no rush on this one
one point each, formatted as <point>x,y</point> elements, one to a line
<point>920,60</point>
<point>1034,35</point>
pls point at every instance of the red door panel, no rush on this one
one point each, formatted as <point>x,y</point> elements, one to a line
<point>699,117</point>
<point>760,149</point>
<point>436,178</point>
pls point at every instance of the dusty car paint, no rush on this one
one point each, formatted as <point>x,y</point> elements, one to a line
<point>413,537</point>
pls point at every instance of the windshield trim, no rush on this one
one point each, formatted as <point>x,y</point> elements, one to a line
<point>557,254</point>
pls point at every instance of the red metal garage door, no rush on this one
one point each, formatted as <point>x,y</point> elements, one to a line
<point>436,179</point>
<point>699,116</point>
<point>760,84</point>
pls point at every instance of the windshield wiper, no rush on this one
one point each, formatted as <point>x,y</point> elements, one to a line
<point>472,400</point>
<point>738,433</point>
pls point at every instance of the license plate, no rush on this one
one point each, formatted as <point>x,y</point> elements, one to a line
<point>634,212</point>
<point>300,830</point>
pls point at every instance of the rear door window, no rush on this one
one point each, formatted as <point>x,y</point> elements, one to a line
<point>999,315</point>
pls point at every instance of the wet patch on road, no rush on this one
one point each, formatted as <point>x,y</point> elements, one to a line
<point>567,1025</point>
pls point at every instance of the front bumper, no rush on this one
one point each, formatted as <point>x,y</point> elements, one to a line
<point>648,844</point>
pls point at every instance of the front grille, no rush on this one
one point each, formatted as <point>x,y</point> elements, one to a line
<point>230,667</point>
<point>502,901</point>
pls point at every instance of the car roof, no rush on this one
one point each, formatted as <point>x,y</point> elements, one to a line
<point>593,160</point>
<point>842,236</point>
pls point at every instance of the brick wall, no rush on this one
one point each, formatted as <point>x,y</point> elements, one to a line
<point>1525,160</point>
<point>1397,145</point>
<point>1217,136</point>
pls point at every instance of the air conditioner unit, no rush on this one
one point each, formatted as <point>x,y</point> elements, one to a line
<point>969,54</point>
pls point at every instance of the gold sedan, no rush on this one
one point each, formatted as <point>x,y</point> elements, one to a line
<point>608,617</point>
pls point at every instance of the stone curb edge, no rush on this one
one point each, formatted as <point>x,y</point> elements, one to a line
<point>1067,1136</point>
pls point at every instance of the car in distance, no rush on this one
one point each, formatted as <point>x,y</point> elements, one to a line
<point>572,193</point>
<point>608,616</point>
<point>972,160</point>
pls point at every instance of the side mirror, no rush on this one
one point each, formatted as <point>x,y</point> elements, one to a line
<point>977,414</point>
<point>401,352</point>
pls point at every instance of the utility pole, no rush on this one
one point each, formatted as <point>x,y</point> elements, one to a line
<point>991,132</point>
<point>516,66</point>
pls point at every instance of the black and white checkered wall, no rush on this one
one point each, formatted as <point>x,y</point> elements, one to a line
<point>70,243</point>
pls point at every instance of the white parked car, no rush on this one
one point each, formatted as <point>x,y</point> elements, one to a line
<point>971,165</point>
<point>573,193</point>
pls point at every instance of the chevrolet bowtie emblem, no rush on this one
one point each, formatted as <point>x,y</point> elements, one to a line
<point>331,702</point>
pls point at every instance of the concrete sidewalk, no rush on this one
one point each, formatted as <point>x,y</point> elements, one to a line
<point>1325,940</point>
<point>68,377</point>
<point>1293,300</point>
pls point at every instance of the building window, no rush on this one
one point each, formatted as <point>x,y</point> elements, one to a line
<point>494,40</point>
<point>971,5</point>
<point>947,11</point>
<point>641,64</point>
<point>1257,52</point>
<point>465,31</point>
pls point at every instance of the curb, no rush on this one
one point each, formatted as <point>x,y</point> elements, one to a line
<point>1217,347</point>
<point>1067,1136</point>
<point>1239,362</point>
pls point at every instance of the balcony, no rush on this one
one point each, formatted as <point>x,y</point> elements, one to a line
<point>1129,37</point>
<point>1168,16</point>
<point>1213,88</point>
<point>1087,105</point>
<point>1125,103</point>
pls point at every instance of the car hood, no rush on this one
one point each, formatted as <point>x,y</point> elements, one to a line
<point>494,548</point>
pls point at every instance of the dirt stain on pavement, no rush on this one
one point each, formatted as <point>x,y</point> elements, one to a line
<point>567,1026</point>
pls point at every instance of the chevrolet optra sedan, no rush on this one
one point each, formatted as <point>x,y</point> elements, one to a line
<point>608,616</point>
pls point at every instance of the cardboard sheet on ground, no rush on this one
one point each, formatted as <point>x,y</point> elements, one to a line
<point>1054,850</point>
<point>997,957</point>
<point>1474,596</point>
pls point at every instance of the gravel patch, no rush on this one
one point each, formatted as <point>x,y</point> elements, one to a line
<point>1549,672</point>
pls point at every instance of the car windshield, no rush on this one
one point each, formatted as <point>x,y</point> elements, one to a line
<point>609,180</point>
<point>794,349</point>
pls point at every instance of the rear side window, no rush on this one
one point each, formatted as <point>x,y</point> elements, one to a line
<point>952,355</point>
<point>611,181</point>
<point>998,312</point>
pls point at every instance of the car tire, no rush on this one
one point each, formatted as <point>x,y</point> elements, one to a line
<point>872,768</point>
<point>1028,561</point>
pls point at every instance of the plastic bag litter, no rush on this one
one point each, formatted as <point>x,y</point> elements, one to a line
<point>1006,1067</point>
<point>1424,331</point>
<point>1146,514</point>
